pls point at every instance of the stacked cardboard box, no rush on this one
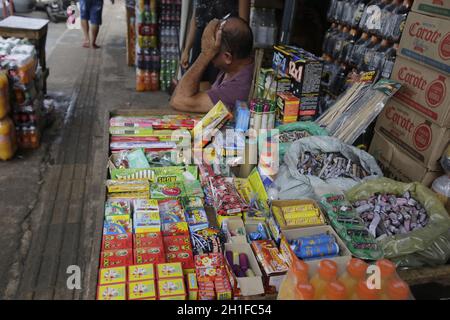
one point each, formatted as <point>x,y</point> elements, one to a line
<point>414,128</point>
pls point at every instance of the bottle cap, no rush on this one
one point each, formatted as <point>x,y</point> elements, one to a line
<point>328,270</point>
<point>357,268</point>
<point>305,291</point>
<point>398,290</point>
<point>336,291</point>
<point>387,268</point>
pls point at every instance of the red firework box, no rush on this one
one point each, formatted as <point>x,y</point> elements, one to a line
<point>179,249</point>
<point>116,258</point>
<point>148,240</point>
<point>426,40</point>
<point>175,229</point>
<point>117,241</point>
<point>424,90</point>
<point>417,136</point>
<point>149,255</point>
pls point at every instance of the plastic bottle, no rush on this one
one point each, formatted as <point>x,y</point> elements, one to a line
<point>326,273</point>
<point>363,292</point>
<point>261,36</point>
<point>399,19</point>
<point>396,290</point>
<point>336,290</point>
<point>298,274</point>
<point>387,272</point>
<point>8,145</point>
<point>355,272</point>
<point>4,95</point>
<point>304,291</point>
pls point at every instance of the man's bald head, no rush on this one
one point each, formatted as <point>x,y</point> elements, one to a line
<point>237,38</point>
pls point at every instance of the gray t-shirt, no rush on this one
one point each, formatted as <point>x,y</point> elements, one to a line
<point>235,88</point>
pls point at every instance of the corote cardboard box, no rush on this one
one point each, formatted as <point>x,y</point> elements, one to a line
<point>436,8</point>
<point>398,165</point>
<point>415,135</point>
<point>426,40</point>
<point>423,89</point>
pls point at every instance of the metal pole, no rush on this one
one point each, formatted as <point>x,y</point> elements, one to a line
<point>288,20</point>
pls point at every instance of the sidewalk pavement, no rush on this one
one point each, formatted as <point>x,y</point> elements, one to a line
<point>52,198</point>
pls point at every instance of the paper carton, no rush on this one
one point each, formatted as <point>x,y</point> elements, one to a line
<point>282,222</point>
<point>112,292</point>
<point>169,270</point>
<point>117,241</point>
<point>149,255</point>
<point>116,258</point>
<point>192,286</point>
<point>171,289</point>
<point>148,240</point>
<point>435,8</point>
<point>398,165</point>
<point>424,90</point>
<point>426,40</point>
<point>141,272</point>
<point>249,286</point>
<point>112,276</point>
<point>233,225</point>
<point>141,290</point>
<point>418,137</point>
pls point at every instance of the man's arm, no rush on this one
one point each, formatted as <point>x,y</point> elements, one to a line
<point>187,95</point>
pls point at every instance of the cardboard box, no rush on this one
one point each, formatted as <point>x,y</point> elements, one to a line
<point>287,107</point>
<point>112,276</point>
<point>117,241</point>
<point>426,40</point>
<point>415,135</point>
<point>149,255</point>
<point>169,270</point>
<point>141,290</point>
<point>248,286</point>
<point>192,286</point>
<point>252,226</point>
<point>423,90</point>
<point>171,289</point>
<point>289,235</point>
<point>116,258</point>
<point>281,221</point>
<point>398,165</point>
<point>141,272</point>
<point>112,292</point>
<point>435,8</point>
<point>234,224</point>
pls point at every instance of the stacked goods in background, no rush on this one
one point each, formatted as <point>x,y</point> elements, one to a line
<point>19,60</point>
<point>414,129</point>
<point>131,32</point>
<point>169,13</point>
<point>364,36</point>
<point>8,145</point>
<point>147,53</point>
<point>302,70</point>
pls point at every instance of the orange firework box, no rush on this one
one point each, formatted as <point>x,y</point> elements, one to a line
<point>141,272</point>
<point>112,292</point>
<point>149,255</point>
<point>117,241</point>
<point>147,240</point>
<point>116,258</point>
<point>169,270</point>
<point>141,290</point>
<point>171,289</point>
<point>108,276</point>
<point>192,286</point>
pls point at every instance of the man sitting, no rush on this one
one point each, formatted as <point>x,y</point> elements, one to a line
<point>229,45</point>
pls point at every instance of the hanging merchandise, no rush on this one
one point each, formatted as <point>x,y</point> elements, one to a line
<point>358,107</point>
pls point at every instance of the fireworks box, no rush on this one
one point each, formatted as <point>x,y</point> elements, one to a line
<point>169,270</point>
<point>141,290</point>
<point>147,240</point>
<point>112,292</point>
<point>108,276</point>
<point>436,8</point>
<point>116,258</point>
<point>192,286</point>
<point>287,107</point>
<point>141,272</point>
<point>149,255</point>
<point>424,90</point>
<point>172,289</point>
<point>427,40</point>
<point>117,241</point>
<point>415,135</point>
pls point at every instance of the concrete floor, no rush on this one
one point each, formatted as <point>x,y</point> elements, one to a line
<point>52,197</point>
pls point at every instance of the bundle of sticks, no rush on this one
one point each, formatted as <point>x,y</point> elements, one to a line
<point>353,112</point>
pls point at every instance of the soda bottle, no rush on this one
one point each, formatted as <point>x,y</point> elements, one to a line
<point>332,10</point>
<point>296,275</point>
<point>355,272</point>
<point>396,290</point>
<point>339,11</point>
<point>304,291</point>
<point>369,53</point>
<point>335,290</point>
<point>377,62</point>
<point>366,16</point>
<point>140,80</point>
<point>8,144</point>
<point>358,50</point>
<point>358,12</point>
<point>326,273</point>
<point>347,46</point>
<point>387,272</point>
<point>363,292</point>
<point>331,32</point>
<point>398,24</point>
<point>386,18</point>
<point>389,62</point>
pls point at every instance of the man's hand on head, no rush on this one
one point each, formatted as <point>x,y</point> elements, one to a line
<point>211,38</point>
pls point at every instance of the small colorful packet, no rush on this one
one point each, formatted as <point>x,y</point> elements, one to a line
<point>146,221</point>
<point>137,160</point>
<point>112,275</point>
<point>192,202</point>
<point>117,207</point>
<point>166,190</point>
<point>171,211</point>
<point>197,219</point>
<point>115,186</point>
<point>193,188</point>
<point>112,292</point>
<point>141,272</point>
<point>141,290</point>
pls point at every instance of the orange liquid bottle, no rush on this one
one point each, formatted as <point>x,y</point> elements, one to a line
<point>8,145</point>
<point>335,290</point>
<point>387,272</point>
<point>4,95</point>
<point>296,275</point>
<point>304,291</point>
<point>396,290</point>
<point>363,292</point>
<point>327,272</point>
<point>356,271</point>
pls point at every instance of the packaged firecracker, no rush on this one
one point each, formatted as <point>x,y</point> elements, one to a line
<point>122,220</point>
<point>227,200</point>
<point>171,211</point>
<point>166,190</point>
<point>141,272</point>
<point>175,229</point>
<point>113,275</point>
<point>149,255</point>
<point>112,292</point>
<point>269,257</point>
<point>117,241</point>
<point>116,258</point>
<point>146,221</point>
<point>169,271</point>
<point>148,240</point>
<point>117,207</point>
<point>192,286</point>
<point>172,289</point>
<point>140,290</point>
